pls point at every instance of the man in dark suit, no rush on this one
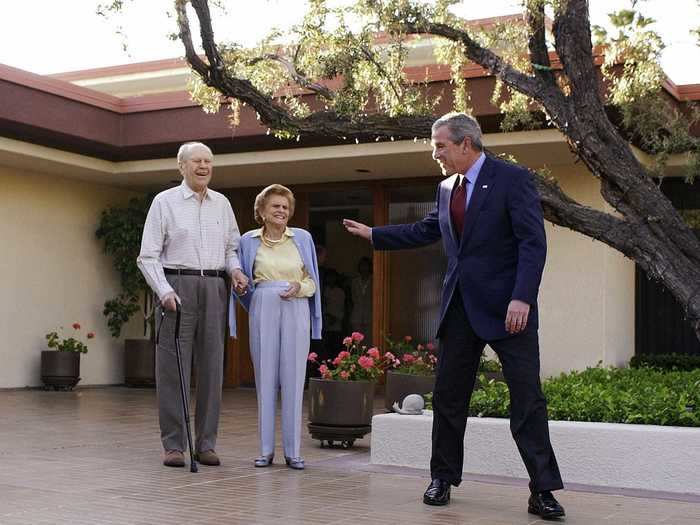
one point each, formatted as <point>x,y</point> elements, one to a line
<point>489,217</point>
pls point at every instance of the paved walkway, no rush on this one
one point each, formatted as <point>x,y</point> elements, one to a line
<point>93,457</point>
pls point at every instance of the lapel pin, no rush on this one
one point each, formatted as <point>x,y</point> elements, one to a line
<point>484,187</point>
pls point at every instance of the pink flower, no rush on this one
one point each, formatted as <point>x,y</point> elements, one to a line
<point>430,347</point>
<point>432,359</point>
<point>365,362</point>
<point>76,326</point>
<point>90,335</point>
<point>347,341</point>
<point>323,369</point>
<point>312,357</point>
<point>336,361</point>
<point>353,368</point>
<point>344,374</point>
<point>373,352</point>
<point>389,356</point>
<point>420,348</point>
<point>408,338</point>
<point>344,355</point>
<point>357,336</point>
<point>408,358</point>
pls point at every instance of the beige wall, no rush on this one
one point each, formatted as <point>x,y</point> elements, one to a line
<point>587,294</point>
<point>52,273</point>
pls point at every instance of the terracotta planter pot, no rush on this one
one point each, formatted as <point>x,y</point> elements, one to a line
<point>60,370</point>
<point>139,362</point>
<point>340,403</point>
<point>399,385</point>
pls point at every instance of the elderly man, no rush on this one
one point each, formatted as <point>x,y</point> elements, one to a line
<point>189,244</point>
<point>489,217</point>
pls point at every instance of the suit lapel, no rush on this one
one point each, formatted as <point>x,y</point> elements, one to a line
<point>483,186</point>
<point>445,215</point>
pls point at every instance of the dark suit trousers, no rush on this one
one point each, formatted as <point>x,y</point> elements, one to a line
<point>458,362</point>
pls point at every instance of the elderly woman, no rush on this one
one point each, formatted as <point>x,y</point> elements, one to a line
<point>284,305</point>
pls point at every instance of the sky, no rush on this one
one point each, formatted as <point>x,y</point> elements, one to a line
<point>50,36</point>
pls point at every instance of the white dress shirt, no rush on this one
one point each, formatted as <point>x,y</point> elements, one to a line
<point>185,233</point>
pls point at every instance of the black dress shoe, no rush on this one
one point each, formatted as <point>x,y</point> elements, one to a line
<point>545,505</point>
<point>438,493</point>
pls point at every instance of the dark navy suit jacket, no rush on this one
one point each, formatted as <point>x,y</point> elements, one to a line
<point>501,253</point>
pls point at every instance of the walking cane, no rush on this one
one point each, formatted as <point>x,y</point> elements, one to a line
<point>183,393</point>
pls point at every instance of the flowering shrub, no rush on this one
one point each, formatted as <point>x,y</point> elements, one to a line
<point>406,358</point>
<point>355,362</point>
<point>68,344</point>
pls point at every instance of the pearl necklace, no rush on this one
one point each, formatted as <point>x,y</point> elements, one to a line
<point>271,242</point>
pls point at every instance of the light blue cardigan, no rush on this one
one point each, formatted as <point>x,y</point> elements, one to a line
<point>247,250</point>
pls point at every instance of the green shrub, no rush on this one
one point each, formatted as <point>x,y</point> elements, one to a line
<point>666,361</point>
<point>611,395</point>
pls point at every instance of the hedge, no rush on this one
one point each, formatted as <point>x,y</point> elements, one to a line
<point>666,361</point>
<point>613,395</point>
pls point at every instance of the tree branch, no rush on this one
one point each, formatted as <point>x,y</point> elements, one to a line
<point>537,44</point>
<point>298,77</point>
<point>572,41</point>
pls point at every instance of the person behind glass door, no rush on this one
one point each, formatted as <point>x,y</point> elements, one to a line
<point>361,287</point>
<point>284,305</point>
<point>334,300</point>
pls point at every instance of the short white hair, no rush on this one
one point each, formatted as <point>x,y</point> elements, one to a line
<point>186,150</point>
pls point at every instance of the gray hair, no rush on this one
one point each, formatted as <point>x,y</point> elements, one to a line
<point>186,150</point>
<point>460,126</point>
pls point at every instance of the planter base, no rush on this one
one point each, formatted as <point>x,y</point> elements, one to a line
<point>344,436</point>
<point>59,383</point>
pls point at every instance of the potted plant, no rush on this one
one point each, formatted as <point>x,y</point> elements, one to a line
<point>341,401</point>
<point>121,229</point>
<point>411,370</point>
<point>60,367</point>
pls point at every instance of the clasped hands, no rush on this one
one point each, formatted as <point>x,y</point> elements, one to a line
<point>239,281</point>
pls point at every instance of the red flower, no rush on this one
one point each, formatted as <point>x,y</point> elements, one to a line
<point>323,369</point>
<point>357,336</point>
<point>408,338</point>
<point>430,347</point>
<point>344,374</point>
<point>312,356</point>
<point>90,335</point>
<point>373,352</point>
<point>76,326</point>
<point>408,358</point>
<point>347,341</point>
<point>365,362</point>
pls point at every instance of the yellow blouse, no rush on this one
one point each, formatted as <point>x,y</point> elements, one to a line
<point>282,262</point>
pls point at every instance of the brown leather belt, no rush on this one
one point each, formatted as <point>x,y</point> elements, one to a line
<point>201,273</point>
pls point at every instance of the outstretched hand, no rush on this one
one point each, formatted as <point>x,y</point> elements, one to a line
<point>357,228</point>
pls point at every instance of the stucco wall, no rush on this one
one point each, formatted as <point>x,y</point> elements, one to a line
<point>587,294</point>
<point>53,273</point>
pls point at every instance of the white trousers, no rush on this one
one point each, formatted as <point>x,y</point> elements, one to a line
<point>279,347</point>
